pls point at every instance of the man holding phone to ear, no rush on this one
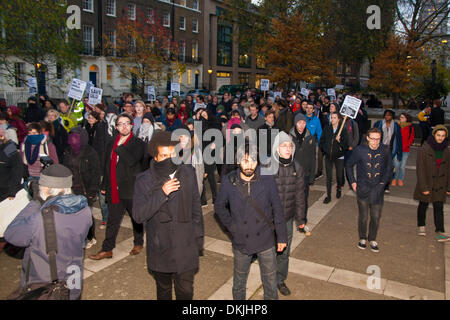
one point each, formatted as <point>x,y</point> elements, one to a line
<point>167,200</point>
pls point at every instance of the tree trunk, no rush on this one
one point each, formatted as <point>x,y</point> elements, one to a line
<point>395,98</point>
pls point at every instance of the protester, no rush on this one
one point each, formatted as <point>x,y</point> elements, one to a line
<point>167,200</point>
<point>72,218</point>
<point>437,115</point>
<point>254,120</point>
<point>373,172</point>
<point>11,168</point>
<point>265,133</point>
<point>171,121</point>
<point>69,120</point>
<point>305,154</point>
<point>60,136</point>
<point>333,145</point>
<point>84,163</point>
<point>14,120</point>
<point>408,137</point>
<point>123,162</point>
<point>236,137</point>
<point>433,180</point>
<point>9,131</point>
<point>34,113</point>
<point>424,123</point>
<point>284,118</point>
<point>139,109</point>
<point>291,184</point>
<point>261,231</point>
<point>183,113</point>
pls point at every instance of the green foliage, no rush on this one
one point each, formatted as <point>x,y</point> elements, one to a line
<point>429,90</point>
<point>36,33</point>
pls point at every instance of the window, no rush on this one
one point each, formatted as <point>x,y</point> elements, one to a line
<point>260,62</point>
<point>111,35</point>
<point>182,50</point>
<point>111,8</point>
<point>88,40</point>
<point>88,5</point>
<point>150,15</point>
<point>166,19</point>
<point>19,74</point>
<point>109,71</point>
<point>183,3</point>
<point>59,72</point>
<point>224,45</point>
<point>189,76</point>
<point>131,45</point>
<point>244,78</point>
<point>194,50</point>
<point>195,4</point>
<point>195,25</point>
<point>131,11</point>
<point>180,78</point>
<point>182,23</point>
<point>244,59</point>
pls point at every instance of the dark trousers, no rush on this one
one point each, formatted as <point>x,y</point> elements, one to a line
<point>319,161</point>
<point>91,233</point>
<point>183,282</point>
<point>438,208</point>
<point>375,216</point>
<point>306,197</point>
<point>116,213</point>
<point>210,170</point>
<point>283,258</point>
<point>425,127</point>
<point>339,164</point>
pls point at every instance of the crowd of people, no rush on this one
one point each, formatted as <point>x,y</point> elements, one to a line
<point>121,154</point>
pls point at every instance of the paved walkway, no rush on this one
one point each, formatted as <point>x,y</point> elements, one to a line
<point>327,265</point>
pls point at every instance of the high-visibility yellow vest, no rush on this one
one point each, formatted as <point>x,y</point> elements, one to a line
<point>78,112</point>
<point>68,122</point>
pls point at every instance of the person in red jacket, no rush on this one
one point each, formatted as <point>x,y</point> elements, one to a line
<point>407,140</point>
<point>15,121</point>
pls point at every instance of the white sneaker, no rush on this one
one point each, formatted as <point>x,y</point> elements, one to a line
<point>91,243</point>
<point>306,230</point>
<point>443,237</point>
<point>421,231</point>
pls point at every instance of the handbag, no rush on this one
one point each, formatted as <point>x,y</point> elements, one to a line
<point>56,289</point>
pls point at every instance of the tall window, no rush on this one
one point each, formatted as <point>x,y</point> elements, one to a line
<point>244,59</point>
<point>166,19</point>
<point>111,34</point>
<point>182,23</point>
<point>182,50</point>
<point>194,50</point>
<point>88,40</point>
<point>189,76</point>
<point>244,78</point>
<point>194,25</point>
<point>224,45</point>
<point>59,72</point>
<point>260,62</point>
<point>195,4</point>
<point>109,71</point>
<point>131,11</point>
<point>150,15</point>
<point>19,74</point>
<point>111,8</point>
<point>88,5</point>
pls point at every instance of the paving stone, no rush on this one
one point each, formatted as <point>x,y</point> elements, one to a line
<point>310,269</point>
<point>407,292</point>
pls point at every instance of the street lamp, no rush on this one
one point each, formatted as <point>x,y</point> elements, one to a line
<point>210,71</point>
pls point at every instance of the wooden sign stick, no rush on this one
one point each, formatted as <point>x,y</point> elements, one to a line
<point>71,106</point>
<point>342,127</point>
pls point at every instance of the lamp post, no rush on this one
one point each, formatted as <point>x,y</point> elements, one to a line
<point>210,71</point>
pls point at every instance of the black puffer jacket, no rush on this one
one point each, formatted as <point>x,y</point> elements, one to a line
<point>291,185</point>
<point>331,148</point>
<point>11,170</point>
<point>306,153</point>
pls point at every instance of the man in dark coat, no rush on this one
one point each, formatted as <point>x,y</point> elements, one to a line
<point>249,206</point>
<point>437,115</point>
<point>433,180</point>
<point>34,113</point>
<point>374,171</point>
<point>123,162</point>
<point>284,116</point>
<point>291,184</point>
<point>167,200</point>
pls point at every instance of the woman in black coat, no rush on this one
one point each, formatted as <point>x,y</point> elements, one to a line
<point>334,147</point>
<point>96,130</point>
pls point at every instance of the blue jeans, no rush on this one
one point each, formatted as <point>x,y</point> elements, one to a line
<point>268,266</point>
<point>103,206</point>
<point>400,166</point>
<point>283,258</point>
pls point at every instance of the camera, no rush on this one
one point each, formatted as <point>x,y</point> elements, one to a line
<point>46,161</point>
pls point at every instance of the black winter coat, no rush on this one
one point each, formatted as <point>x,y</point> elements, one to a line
<point>60,139</point>
<point>174,223</point>
<point>34,113</point>
<point>249,230</point>
<point>330,147</point>
<point>128,167</point>
<point>11,170</point>
<point>98,138</point>
<point>285,120</point>
<point>291,189</point>
<point>306,153</point>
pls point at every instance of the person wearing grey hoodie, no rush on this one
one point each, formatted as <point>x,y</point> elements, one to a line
<point>305,154</point>
<point>291,184</point>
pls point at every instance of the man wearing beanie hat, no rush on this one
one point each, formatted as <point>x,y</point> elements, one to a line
<point>291,184</point>
<point>249,206</point>
<point>73,219</point>
<point>433,180</point>
<point>167,200</point>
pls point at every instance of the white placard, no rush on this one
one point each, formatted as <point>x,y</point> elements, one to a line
<point>305,92</point>
<point>76,90</point>
<point>11,208</point>
<point>331,92</point>
<point>175,89</point>
<point>151,93</point>
<point>32,86</point>
<point>277,94</point>
<point>350,107</point>
<point>89,85</point>
<point>95,96</point>
<point>265,83</point>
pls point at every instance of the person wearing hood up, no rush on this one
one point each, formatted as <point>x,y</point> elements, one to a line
<point>84,163</point>
<point>145,133</point>
<point>73,219</point>
<point>291,189</point>
<point>14,120</point>
<point>34,112</point>
<point>9,131</point>
<point>60,135</point>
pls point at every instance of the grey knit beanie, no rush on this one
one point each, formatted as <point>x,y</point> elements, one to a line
<point>56,176</point>
<point>299,117</point>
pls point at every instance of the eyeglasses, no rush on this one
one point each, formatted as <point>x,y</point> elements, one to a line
<point>374,139</point>
<point>127,124</point>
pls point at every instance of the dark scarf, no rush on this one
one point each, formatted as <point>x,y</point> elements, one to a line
<point>437,146</point>
<point>286,161</point>
<point>91,132</point>
<point>300,136</point>
<point>165,168</point>
<point>33,140</point>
